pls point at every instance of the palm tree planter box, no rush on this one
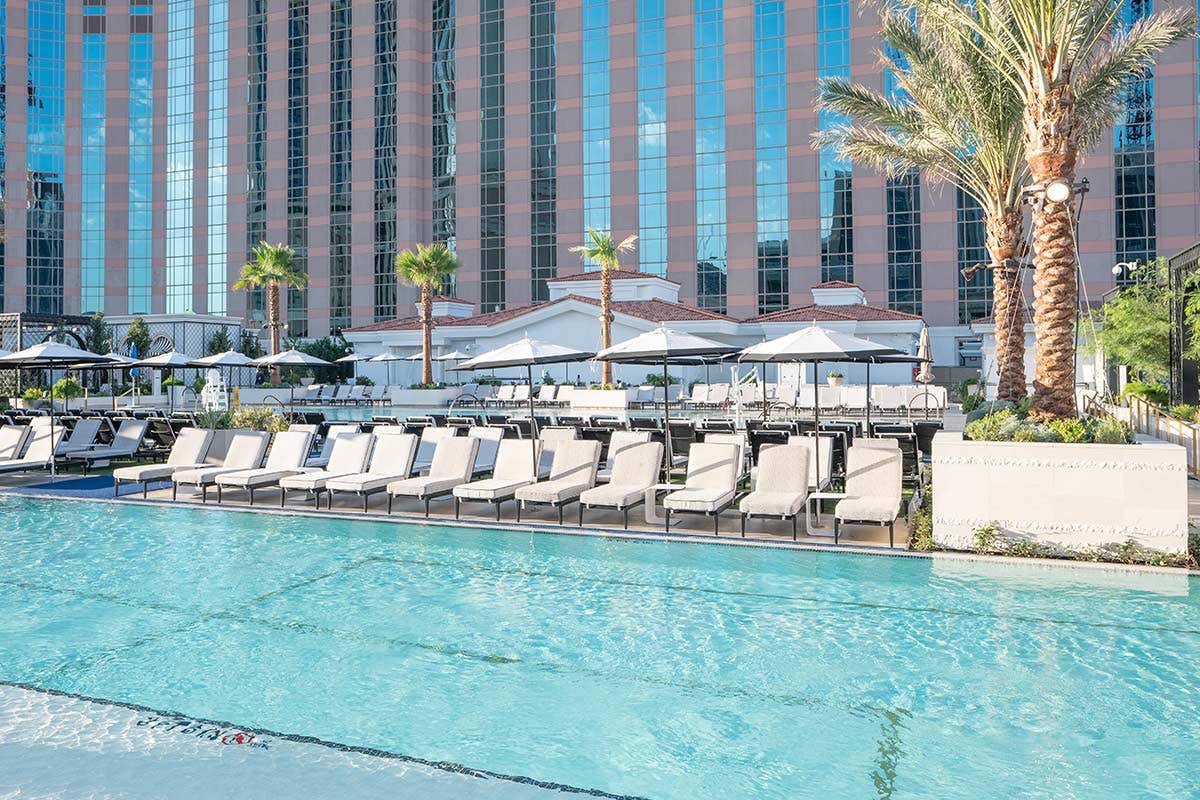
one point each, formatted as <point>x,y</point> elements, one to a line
<point>1072,496</point>
<point>602,399</point>
<point>425,397</point>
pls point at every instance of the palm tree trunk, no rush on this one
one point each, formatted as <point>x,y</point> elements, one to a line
<point>1052,156</point>
<point>426,334</point>
<point>1008,314</point>
<point>606,317</point>
<point>273,323</point>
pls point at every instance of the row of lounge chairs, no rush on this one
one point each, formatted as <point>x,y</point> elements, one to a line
<point>554,470</point>
<point>34,445</point>
<point>846,399</point>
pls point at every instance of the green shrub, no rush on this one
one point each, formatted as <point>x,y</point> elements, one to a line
<point>198,384</point>
<point>1151,392</point>
<point>171,381</point>
<point>363,380</point>
<point>985,538</point>
<point>1070,429</point>
<point>257,418</point>
<point>218,420</point>
<point>33,394</point>
<point>1185,412</point>
<point>1111,430</point>
<point>920,529</point>
<point>1023,406</point>
<point>66,388</point>
<point>991,407</point>
<point>992,427</point>
<point>971,402</point>
<point>1035,432</point>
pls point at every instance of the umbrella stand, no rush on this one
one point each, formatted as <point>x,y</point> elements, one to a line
<point>817,427</point>
<point>868,432</point>
<point>533,431</point>
<point>669,456</point>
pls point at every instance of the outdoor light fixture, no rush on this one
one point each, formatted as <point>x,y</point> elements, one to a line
<point>969,272</point>
<point>1058,191</point>
<point>1121,266</point>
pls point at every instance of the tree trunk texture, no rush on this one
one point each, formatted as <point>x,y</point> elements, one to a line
<point>273,322</point>
<point>1008,313</point>
<point>426,334</point>
<point>1052,155</point>
<point>606,318</point>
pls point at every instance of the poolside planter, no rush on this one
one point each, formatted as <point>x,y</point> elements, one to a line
<point>1069,495</point>
<point>602,399</point>
<point>425,398</point>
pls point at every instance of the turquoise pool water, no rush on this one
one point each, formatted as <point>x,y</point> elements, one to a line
<point>665,670</point>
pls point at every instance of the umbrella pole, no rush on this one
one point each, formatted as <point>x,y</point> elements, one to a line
<point>533,450</point>
<point>764,390</point>
<point>53,447</point>
<point>868,431</point>
<point>817,428</point>
<point>669,455</point>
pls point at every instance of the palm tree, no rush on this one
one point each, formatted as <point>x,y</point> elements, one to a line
<point>273,267</point>
<point>603,251</point>
<point>953,121</point>
<point>1070,62</point>
<point>427,269</point>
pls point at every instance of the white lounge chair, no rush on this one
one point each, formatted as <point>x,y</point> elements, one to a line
<point>82,436</point>
<point>636,469</point>
<point>572,472</point>
<point>565,392</point>
<point>289,449</point>
<point>503,396</point>
<point>331,436</point>
<point>13,439</point>
<point>546,393</point>
<point>830,397</point>
<point>823,446</point>
<point>514,469</point>
<point>710,485</point>
<point>45,439</point>
<point>391,460</point>
<point>739,441</point>
<point>521,393</point>
<point>699,396</point>
<point>489,443</point>
<point>431,436</point>
<point>453,464</point>
<point>874,479</point>
<point>356,395</point>
<point>854,398</point>
<point>245,451</point>
<point>188,452</point>
<point>125,444</point>
<point>348,455</point>
<point>782,485</point>
<point>718,394</point>
<point>550,437</point>
<point>619,441</point>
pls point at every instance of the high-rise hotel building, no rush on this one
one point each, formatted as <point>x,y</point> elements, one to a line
<point>149,144</point>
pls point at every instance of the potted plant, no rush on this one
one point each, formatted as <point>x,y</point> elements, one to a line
<point>835,378</point>
<point>32,397</point>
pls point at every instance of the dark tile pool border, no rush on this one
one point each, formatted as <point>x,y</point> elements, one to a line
<point>634,535</point>
<point>444,766</point>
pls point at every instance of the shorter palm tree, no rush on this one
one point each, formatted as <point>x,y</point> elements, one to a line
<point>273,267</point>
<point>603,251</point>
<point>426,268</point>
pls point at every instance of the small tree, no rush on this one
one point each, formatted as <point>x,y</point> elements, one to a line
<point>219,342</point>
<point>426,268</point>
<point>97,337</point>
<point>138,335</point>
<point>249,345</point>
<point>603,251</point>
<point>273,267</point>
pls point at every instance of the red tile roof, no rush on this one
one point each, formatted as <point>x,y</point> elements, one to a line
<point>816,313</point>
<point>836,285</point>
<point>617,275</point>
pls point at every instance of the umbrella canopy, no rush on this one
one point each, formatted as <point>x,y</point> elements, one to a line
<point>169,360</point>
<point>923,353</point>
<point>353,357</point>
<point>51,354</point>
<point>453,355</point>
<point>386,357</point>
<point>526,352</point>
<point>415,357</point>
<point>117,358</point>
<point>230,358</point>
<point>290,358</point>
<point>814,343</point>
<point>653,346</point>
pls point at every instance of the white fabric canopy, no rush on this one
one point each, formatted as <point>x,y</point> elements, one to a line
<point>290,358</point>
<point>653,346</point>
<point>815,343</point>
<point>230,358</point>
<point>524,353</point>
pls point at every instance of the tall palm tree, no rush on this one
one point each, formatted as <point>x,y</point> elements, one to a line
<point>426,268</point>
<point>273,267</point>
<point>1070,61</point>
<point>953,121</point>
<point>603,251</point>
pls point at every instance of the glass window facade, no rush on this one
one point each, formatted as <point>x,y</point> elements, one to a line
<point>256,135</point>
<point>94,84</point>
<point>708,23</point>
<point>904,243</point>
<point>597,166</point>
<point>386,132</point>
<point>491,155</point>
<point>445,130</point>
<point>297,160</point>
<point>770,105</point>
<point>1133,154</point>
<point>46,20</point>
<point>141,156</point>
<point>652,136</point>
<point>181,64</point>
<point>341,159</point>
<point>543,148</point>
<point>975,294</point>
<point>218,154</point>
<point>836,183</point>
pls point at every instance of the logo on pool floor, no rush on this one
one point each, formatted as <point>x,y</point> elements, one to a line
<point>171,723</point>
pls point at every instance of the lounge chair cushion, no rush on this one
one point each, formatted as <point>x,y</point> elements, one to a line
<point>613,495</point>
<point>782,481</point>
<point>151,472</point>
<point>362,482</point>
<point>552,491</point>
<point>767,503</point>
<point>247,478</point>
<point>698,500</point>
<point>422,486</point>
<point>203,476</point>
<point>310,480</point>
<point>489,489</point>
<point>867,508</point>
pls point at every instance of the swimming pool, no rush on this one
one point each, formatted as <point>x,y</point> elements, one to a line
<point>665,670</point>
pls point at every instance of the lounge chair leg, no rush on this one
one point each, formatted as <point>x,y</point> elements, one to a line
<point>581,515</point>
<point>667,520</point>
<point>717,524</point>
<point>250,489</point>
<point>426,506</point>
<point>498,512</point>
<point>116,488</point>
<point>743,526</point>
<point>625,511</point>
<point>560,515</point>
<point>366,498</point>
<point>793,527</point>
<point>836,529</point>
<point>518,511</point>
<point>174,491</point>
<point>891,533</point>
<point>219,493</point>
<point>457,505</point>
<point>282,495</point>
<point>145,489</point>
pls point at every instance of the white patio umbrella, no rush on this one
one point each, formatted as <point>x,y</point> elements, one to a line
<point>230,359</point>
<point>526,353</point>
<point>814,344</point>
<point>387,358</point>
<point>169,360</point>
<point>453,355</point>
<point>291,358</point>
<point>49,355</point>
<point>666,346</point>
<point>353,358</point>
